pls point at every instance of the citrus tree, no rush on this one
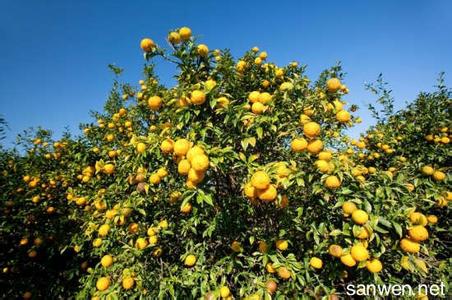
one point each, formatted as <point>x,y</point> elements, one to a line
<point>237,182</point>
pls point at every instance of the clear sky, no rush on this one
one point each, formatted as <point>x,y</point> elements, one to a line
<point>54,54</point>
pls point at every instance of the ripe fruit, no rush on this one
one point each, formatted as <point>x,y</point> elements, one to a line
<point>141,243</point>
<point>147,45</point>
<point>410,246</point>
<point>141,148</point>
<point>167,146</point>
<point>183,167</point>
<point>258,108</point>
<point>197,97</point>
<point>155,102</point>
<point>174,38</point>
<point>374,265</point>
<point>348,208</point>
<point>190,260</point>
<point>439,176</point>
<point>311,129</point>
<point>333,85</point>
<point>299,144</point>
<point>202,50</point>
<point>271,286</point>
<point>103,283</point>
<point>181,147</point>
<point>200,162</point>
<point>432,219</point>
<point>224,292</point>
<point>254,97</point>
<point>284,273</point>
<point>282,245</point>
<point>185,33</point>
<point>427,170</point>
<point>103,230</point>
<point>348,260</point>
<point>128,283</point>
<point>360,217</point>
<point>268,194</point>
<point>260,180</point>
<point>332,182</point>
<point>316,263</point>
<point>335,250</point>
<point>418,233</point>
<point>106,261</point>
<point>359,252</point>
<point>186,208</point>
<point>155,179</point>
<point>236,246</point>
<point>109,169</point>
<point>418,218</point>
<point>264,97</point>
<point>315,147</point>
<point>343,116</point>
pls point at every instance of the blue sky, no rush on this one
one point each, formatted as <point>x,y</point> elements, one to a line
<point>54,54</point>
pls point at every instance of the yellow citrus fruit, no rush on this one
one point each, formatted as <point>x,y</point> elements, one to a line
<point>194,151</point>
<point>128,282</point>
<point>311,129</point>
<point>316,263</point>
<point>348,207</point>
<point>186,208</point>
<point>360,217</point>
<point>410,246</point>
<point>299,144</point>
<point>174,38</point>
<point>183,167</point>
<point>236,246</point>
<point>202,50</point>
<point>198,97</point>
<point>147,44</point>
<point>162,172</point>
<point>343,116</point>
<point>418,218</point>
<point>359,252</point>
<point>155,179</point>
<point>315,147</point>
<point>185,33</point>
<point>109,169</point>
<point>282,245</point>
<point>141,148</point>
<point>103,230</point>
<point>260,180</point>
<point>141,243</point>
<point>374,265</point>
<point>200,162</point>
<point>249,190</point>
<point>265,98</point>
<point>418,233</point>
<point>258,108</point>
<point>103,283</point>
<point>333,85</point>
<point>439,176</point>
<point>269,268</point>
<point>335,250</point>
<point>167,146</point>
<point>154,102</point>
<point>181,147</point>
<point>253,97</point>
<point>106,261</point>
<point>263,247</point>
<point>268,194</point>
<point>348,260</point>
<point>325,155</point>
<point>190,260</point>
<point>427,170</point>
<point>224,292</point>
<point>332,182</point>
<point>195,176</point>
<point>284,273</point>
<point>432,219</point>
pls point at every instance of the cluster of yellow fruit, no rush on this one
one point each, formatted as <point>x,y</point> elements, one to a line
<point>260,187</point>
<point>258,101</point>
<point>193,161</point>
<point>311,131</point>
<point>358,252</point>
<point>436,174</point>
<point>442,137</point>
<point>417,232</point>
